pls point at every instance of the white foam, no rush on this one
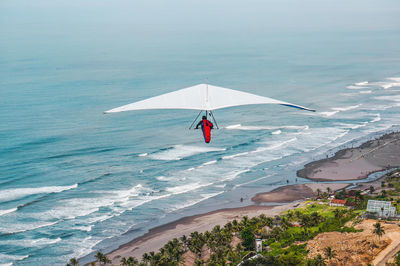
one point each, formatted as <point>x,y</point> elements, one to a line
<point>11,258</point>
<point>388,85</point>
<point>240,127</point>
<point>186,188</point>
<point>361,83</point>
<point>26,242</point>
<point>84,228</point>
<point>328,114</point>
<point>227,157</point>
<point>339,109</point>
<point>376,119</point>
<point>79,207</point>
<point>393,98</point>
<point>353,126</point>
<point>15,193</point>
<point>276,146</point>
<point>143,154</point>
<point>181,151</point>
<point>4,212</point>
<point>233,126</point>
<point>357,87</point>
<point>347,108</point>
<point>210,162</point>
<point>397,79</point>
<point>15,228</point>
<point>276,132</point>
<point>235,174</point>
<point>365,92</point>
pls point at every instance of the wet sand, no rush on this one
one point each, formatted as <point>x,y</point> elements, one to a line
<point>356,163</point>
<point>295,192</point>
<point>347,164</point>
<point>159,236</point>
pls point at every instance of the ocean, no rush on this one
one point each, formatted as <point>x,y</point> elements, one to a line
<point>74,181</point>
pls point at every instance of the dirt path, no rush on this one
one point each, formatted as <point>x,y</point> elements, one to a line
<point>390,251</point>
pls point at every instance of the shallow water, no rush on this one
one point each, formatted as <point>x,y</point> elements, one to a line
<point>74,180</point>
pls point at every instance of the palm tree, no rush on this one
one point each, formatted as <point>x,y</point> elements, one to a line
<point>290,215</point>
<point>319,261</point>
<point>269,222</point>
<point>146,258</point>
<point>338,213</point>
<point>124,262</point>
<point>73,262</point>
<point>99,257</point>
<point>379,230</point>
<point>245,219</point>
<point>132,261</point>
<point>284,223</point>
<point>329,253</point>
<point>329,190</point>
<point>371,189</point>
<point>318,191</point>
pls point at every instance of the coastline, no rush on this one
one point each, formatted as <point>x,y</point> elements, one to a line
<point>356,163</point>
<point>371,154</point>
<point>157,237</point>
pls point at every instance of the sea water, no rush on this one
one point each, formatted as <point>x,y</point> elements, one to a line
<point>74,181</point>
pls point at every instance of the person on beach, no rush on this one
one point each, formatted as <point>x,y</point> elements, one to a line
<point>206,127</point>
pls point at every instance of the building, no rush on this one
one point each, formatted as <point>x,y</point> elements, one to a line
<point>258,245</point>
<point>337,203</point>
<point>381,208</point>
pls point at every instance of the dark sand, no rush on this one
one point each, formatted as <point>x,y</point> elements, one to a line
<point>347,164</point>
<point>356,163</point>
<point>159,236</point>
<point>295,192</point>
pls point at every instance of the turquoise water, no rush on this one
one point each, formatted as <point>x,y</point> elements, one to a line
<point>74,180</point>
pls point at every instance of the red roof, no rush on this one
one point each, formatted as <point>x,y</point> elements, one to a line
<point>338,201</point>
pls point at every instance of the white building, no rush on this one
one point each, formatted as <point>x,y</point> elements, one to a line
<point>258,245</point>
<point>381,208</point>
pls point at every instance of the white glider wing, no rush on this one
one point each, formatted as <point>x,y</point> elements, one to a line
<point>201,97</point>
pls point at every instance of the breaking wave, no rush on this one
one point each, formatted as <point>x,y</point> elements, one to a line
<point>178,152</point>
<point>4,212</point>
<point>15,193</point>
<point>240,127</point>
<point>339,109</point>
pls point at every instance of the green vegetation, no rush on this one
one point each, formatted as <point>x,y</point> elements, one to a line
<point>378,230</point>
<point>284,237</point>
<point>101,258</point>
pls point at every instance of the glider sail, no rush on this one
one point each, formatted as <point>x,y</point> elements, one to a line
<point>201,97</point>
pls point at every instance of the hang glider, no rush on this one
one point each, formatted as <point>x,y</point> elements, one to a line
<point>202,97</point>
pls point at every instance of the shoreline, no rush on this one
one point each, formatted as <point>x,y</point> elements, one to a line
<point>157,237</point>
<point>371,154</point>
<point>356,163</point>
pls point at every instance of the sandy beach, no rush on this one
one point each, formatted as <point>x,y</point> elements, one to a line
<point>159,236</point>
<point>356,163</point>
<point>295,192</point>
<point>347,164</point>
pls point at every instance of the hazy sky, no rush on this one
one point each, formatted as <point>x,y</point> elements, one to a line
<point>206,15</point>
